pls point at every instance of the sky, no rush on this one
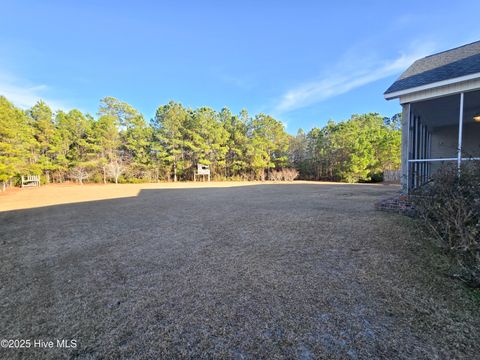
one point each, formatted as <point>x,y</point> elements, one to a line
<point>303,62</point>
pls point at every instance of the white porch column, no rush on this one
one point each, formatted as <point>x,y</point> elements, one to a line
<point>406,134</point>
<point>460,131</point>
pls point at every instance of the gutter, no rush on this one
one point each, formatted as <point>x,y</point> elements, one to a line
<point>396,94</point>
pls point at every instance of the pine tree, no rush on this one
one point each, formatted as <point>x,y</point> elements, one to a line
<point>48,139</point>
<point>17,143</point>
<point>170,126</point>
<point>236,163</point>
<point>269,144</point>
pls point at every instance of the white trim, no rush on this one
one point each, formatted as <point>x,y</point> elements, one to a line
<point>399,93</point>
<point>443,159</point>
<point>460,131</point>
<point>407,153</point>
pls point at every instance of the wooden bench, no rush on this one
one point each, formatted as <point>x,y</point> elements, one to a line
<point>30,180</point>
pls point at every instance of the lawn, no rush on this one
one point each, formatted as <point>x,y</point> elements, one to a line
<point>301,270</point>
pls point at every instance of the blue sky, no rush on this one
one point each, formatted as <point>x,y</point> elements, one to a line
<point>304,62</point>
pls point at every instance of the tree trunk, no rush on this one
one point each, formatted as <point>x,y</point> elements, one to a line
<point>175,171</point>
<point>104,175</point>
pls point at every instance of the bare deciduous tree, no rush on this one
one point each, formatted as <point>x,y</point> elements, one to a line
<point>79,173</point>
<point>115,169</point>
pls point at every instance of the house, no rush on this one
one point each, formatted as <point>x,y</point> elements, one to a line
<point>440,97</point>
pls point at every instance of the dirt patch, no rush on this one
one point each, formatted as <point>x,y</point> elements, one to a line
<point>267,271</point>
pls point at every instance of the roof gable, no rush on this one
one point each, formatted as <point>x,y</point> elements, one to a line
<point>450,64</point>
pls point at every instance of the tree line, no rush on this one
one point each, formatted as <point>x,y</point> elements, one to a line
<point>120,145</point>
<point>357,150</point>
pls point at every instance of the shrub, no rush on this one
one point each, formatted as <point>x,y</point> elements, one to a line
<point>96,178</point>
<point>133,180</point>
<point>275,175</point>
<point>449,205</point>
<point>287,174</point>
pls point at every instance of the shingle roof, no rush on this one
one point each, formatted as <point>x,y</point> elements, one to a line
<point>461,61</point>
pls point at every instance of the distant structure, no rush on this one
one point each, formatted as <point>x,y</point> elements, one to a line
<point>440,96</point>
<point>203,171</point>
<point>30,180</point>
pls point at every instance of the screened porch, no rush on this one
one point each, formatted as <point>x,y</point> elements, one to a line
<point>444,130</point>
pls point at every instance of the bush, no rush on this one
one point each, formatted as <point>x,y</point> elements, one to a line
<point>275,175</point>
<point>96,178</point>
<point>287,174</point>
<point>449,205</point>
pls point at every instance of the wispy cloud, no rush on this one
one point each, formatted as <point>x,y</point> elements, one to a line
<point>25,94</point>
<point>244,83</point>
<point>346,76</point>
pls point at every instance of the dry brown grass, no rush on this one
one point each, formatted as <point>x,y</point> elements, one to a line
<point>268,271</point>
<point>68,193</point>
